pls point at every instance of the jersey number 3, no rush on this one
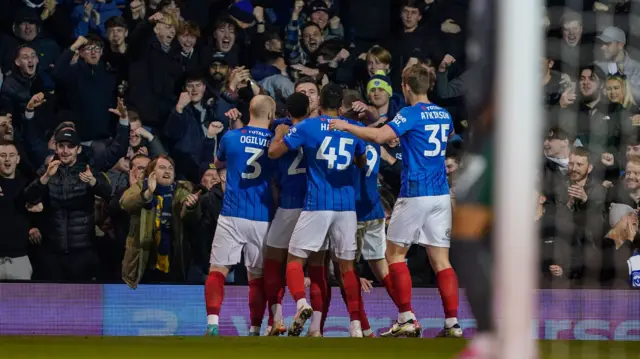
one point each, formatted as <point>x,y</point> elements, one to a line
<point>437,142</point>
<point>329,153</point>
<point>253,162</point>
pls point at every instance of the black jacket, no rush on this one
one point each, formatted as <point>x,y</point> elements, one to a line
<point>16,92</point>
<point>154,75</point>
<point>210,205</point>
<point>14,219</point>
<point>91,93</point>
<point>69,203</point>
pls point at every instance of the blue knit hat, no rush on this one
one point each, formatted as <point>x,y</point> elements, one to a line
<point>242,11</point>
<point>380,80</point>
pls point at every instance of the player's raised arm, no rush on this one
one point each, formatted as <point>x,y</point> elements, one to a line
<point>369,134</point>
<point>278,147</point>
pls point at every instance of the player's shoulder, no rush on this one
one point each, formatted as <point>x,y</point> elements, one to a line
<point>281,121</point>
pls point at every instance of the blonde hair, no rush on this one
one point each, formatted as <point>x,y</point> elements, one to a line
<point>170,19</point>
<point>628,100</point>
<point>380,53</point>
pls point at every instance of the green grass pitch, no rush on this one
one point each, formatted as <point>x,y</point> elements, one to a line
<point>282,348</point>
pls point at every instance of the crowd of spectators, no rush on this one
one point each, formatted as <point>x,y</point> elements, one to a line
<point>111,112</point>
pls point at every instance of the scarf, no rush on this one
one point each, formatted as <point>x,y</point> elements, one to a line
<point>563,163</point>
<point>161,204</point>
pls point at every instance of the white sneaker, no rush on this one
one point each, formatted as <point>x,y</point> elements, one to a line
<point>355,330</point>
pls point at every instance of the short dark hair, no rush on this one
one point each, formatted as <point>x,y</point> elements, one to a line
<point>95,40</point>
<point>116,21</point>
<point>454,153</point>
<point>331,97</point>
<point>137,156</point>
<point>224,21</point>
<point>557,133</point>
<point>582,152</point>
<point>349,97</point>
<point>194,76</point>
<point>298,105</point>
<point>310,24</point>
<point>4,142</point>
<point>16,53</point>
<point>412,3</point>
<point>307,80</point>
<point>596,72</point>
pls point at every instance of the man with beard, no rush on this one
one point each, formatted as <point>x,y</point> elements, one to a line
<point>159,207</point>
<point>592,127</point>
<point>617,60</point>
<point>26,31</point>
<point>90,87</point>
<point>22,83</point>
<point>628,190</point>
<point>194,130</point>
<point>218,72</point>
<point>67,188</point>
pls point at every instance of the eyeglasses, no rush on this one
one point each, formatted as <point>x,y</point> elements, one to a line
<point>92,49</point>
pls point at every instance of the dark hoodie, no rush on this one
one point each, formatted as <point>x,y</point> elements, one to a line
<point>46,48</point>
<point>91,91</point>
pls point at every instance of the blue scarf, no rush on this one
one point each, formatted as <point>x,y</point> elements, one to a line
<point>161,203</point>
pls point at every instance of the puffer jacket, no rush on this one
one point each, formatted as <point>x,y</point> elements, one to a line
<point>69,205</point>
<point>16,92</point>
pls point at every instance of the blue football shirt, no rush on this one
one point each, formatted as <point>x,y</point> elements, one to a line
<point>249,173</point>
<point>423,130</point>
<point>330,168</point>
<point>292,175</point>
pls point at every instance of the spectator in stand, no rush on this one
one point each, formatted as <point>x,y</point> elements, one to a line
<point>141,142</point>
<point>155,69</point>
<point>223,46</point>
<point>617,247</point>
<point>574,49</point>
<point>628,190</point>
<point>616,59</point>
<point>556,162</point>
<point>299,51</point>
<point>21,83</point>
<point>381,97</point>
<point>67,188</point>
<point>193,130</point>
<point>101,158</point>
<point>555,250</point>
<point>592,127</point>
<point>210,207</point>
<point>273,77</point>
<point>14,262</point>
<point>188,35</point>
<point>115,55</point>
<point>216,82</point>
<point>91,15</point>
<point>90,86</point>
<point>622,109</point>
<point>410,42</point>
<point>27,31</point>
<point>8,134</point>
<point>119,218</point>
<point>156,249</point>
<point>322,15</point>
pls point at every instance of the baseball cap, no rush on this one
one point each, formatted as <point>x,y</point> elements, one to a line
<point>612,34</point>
<point>68,135</point>
<point>318,5</point>
<point>617,211</point>
<point>26,15</point>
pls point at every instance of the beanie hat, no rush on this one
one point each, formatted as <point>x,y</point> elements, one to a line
<point>617,211</point>
<point>242,11</point>
<point>380,80</point>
